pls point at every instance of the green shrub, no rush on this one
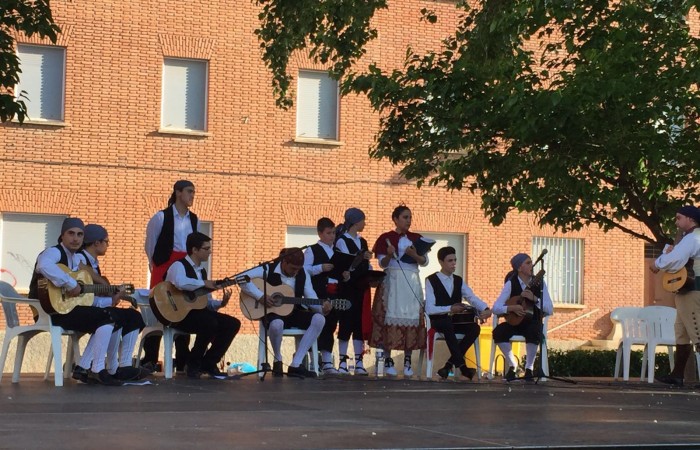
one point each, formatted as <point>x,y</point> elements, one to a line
<point>597,363</point>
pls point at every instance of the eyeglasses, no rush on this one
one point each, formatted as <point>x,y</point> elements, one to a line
<point>106,241</point>
<point>205,248</point>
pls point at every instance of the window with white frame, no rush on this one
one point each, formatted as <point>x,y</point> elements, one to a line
<point>42,80</point>
<point>184,96</point>
<point>317,106</point>
<point>563,265</point>
<point>24,236</point>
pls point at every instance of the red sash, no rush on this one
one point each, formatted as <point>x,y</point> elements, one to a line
<point>158,272</point>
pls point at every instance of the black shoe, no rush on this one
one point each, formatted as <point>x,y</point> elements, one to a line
<point>104,378</point>
<point>670,379</point>
<point>80,374</point>
<point>301,372</point>
<point>214,372</point>
<point>467,371</point>
<point>528,375</point>
<point>510,376</point>
<point>149,367</point>
<point>277,370</point>
<point>127,373</point>
<point>445,371</point>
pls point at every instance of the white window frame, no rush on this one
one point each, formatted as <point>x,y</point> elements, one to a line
<point>563,267</point>
<point>30,95</point>
<point>303,130</point>
<point>182,128</point>
<point>18,272</point>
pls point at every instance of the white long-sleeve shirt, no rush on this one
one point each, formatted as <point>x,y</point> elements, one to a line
<point>316,269</point>
<point>257,272</point>
<point>688,247</point>
<point>544,303</point>
<point>178,277</point>
<point>46,265</point>
<point>404,243</point>
<point>448,282</point>
<point>183,228</point>
<point>100,302</point>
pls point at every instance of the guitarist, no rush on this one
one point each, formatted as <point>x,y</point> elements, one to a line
<point>214,331</point>
<point>85,319</point>
<point>166,242</point>
<point>673,259</point>
<point>128,322</point>
<point>516,284</point>
<point>444,292</point>
<point>290,271</point>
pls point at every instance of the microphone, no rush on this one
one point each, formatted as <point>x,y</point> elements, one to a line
<point>539,258</point>
<point>388,243</point>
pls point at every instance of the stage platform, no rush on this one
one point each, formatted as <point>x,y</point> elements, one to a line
<point>353,412</point>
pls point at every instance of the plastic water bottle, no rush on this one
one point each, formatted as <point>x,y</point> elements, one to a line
<point>379,365</point>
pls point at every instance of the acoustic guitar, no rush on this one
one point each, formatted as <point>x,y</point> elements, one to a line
<point>171,305</point>
<point>54,299</point>
<point>679,282</point>
<point>283,296</point>
<point>528,305</point>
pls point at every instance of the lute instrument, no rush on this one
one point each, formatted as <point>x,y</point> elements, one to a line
<point>527,304</point>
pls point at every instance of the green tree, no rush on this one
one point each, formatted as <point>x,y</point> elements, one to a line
<point>581,112</point>
<point>28,17</point>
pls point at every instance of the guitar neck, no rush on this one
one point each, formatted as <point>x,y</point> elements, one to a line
<point>301,301</point>
<point>101,290</point>
<point>220,284</point>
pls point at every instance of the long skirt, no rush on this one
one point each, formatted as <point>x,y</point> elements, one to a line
<point>397,312</point>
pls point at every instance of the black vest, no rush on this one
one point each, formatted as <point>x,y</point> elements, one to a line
<point>442,298</point>
<point>36,276</point>
<point>320,281</point>
<point>363,267</point>
<point>275,279</point>
<point>516,289</point>
<point>166,238</point>
<point>189,270</point>
<point>87,259</point>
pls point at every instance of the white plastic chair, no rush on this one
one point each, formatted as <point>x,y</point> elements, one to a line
<point>659,321</point>
<point>297,333</point>
<point>544,359</point>
<point>10,299</point>
<point>633,333</point>
<point>155,327</point>
<point>432,337</point>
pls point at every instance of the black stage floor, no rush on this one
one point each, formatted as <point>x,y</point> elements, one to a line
<point>347,413</point>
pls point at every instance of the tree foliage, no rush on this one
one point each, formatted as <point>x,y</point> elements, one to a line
<point>579,111</point>
<point>28,17</point>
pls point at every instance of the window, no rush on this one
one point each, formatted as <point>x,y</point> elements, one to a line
<point>317,106</point>
<point>563,266</point>
<point>24,236</point>
<point>184,104</point>
<point>43,79</point>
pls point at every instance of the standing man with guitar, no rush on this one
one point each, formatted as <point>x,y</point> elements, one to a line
<point>674,259</point>
<point>166,241</point>
<point>85,319</point>
<point>210,326</point>
<point>128,321</point>
<point>444,292</point>
<point>290,271</point>
<point>521,283</point>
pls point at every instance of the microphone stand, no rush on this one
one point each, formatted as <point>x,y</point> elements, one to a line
<point>265,366</point>
<point>540,371</point>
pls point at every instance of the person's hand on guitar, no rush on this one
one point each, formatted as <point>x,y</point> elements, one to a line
<point>527,294</point>
<point>210,284</point>
<point>517,310</point>
<point>269,301</point>
<point>119,296</point>
<point>226,297</point>
<point>327,267</point>
<point>326,308</point>
<point>653,268</point>
<point>458,308</point>
<point>74,292</point>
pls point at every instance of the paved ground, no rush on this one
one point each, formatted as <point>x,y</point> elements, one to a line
<point>347,413</point>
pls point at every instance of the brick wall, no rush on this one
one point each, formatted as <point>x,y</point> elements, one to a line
<point>110,165</point>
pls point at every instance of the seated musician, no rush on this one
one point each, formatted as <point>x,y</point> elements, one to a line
<point>128,322</point>
<point>85,319</point>
<point>214,331</point>
<point>516,284</point>
<point>290,271</point>
<point>444,292</point>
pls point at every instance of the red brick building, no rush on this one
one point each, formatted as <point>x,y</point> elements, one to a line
<point>136,95</point>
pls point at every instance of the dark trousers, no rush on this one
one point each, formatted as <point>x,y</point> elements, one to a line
<point>326,339</point>
<point>531,330</point>
<point>210,327</point>
<point>458,348</point>
<point>127,320</point>
<point>151,348</point>
<point>85,319</point>
<point>351,319</point>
